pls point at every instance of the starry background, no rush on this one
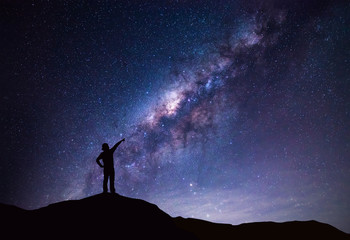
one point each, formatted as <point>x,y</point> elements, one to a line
<point>233,111</point>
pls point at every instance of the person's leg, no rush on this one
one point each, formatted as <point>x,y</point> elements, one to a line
<point>111,181</point>
<point>105,180</point>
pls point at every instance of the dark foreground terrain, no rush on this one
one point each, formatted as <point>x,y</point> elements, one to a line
<point>116,217</point>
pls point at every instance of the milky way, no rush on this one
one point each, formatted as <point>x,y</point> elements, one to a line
<point>232,111</point>
<point>189,110</point>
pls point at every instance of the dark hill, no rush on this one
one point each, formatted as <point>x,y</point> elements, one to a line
<point>101,216</point>
<point>116,217</point>
<point>261,230</point>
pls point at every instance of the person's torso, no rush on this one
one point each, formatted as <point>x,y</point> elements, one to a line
<point>107,158</point>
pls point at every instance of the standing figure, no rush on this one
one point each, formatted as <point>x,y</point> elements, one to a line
<point>108,165</point>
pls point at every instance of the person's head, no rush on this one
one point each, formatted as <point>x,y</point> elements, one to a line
<point>105,147</point>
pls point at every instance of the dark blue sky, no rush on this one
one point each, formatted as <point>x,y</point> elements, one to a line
<point>233,111</point>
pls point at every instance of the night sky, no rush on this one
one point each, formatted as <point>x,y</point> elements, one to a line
<point>232,111</point>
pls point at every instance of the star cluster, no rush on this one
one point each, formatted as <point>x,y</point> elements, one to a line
<point>232,111</point>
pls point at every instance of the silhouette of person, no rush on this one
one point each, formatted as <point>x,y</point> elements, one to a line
<point>108,165</point>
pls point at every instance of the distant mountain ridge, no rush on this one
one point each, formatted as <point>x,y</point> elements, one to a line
<point>113,216</point>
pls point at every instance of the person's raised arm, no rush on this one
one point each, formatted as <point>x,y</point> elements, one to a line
<point>117,144</point>
<point>98,161</point>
